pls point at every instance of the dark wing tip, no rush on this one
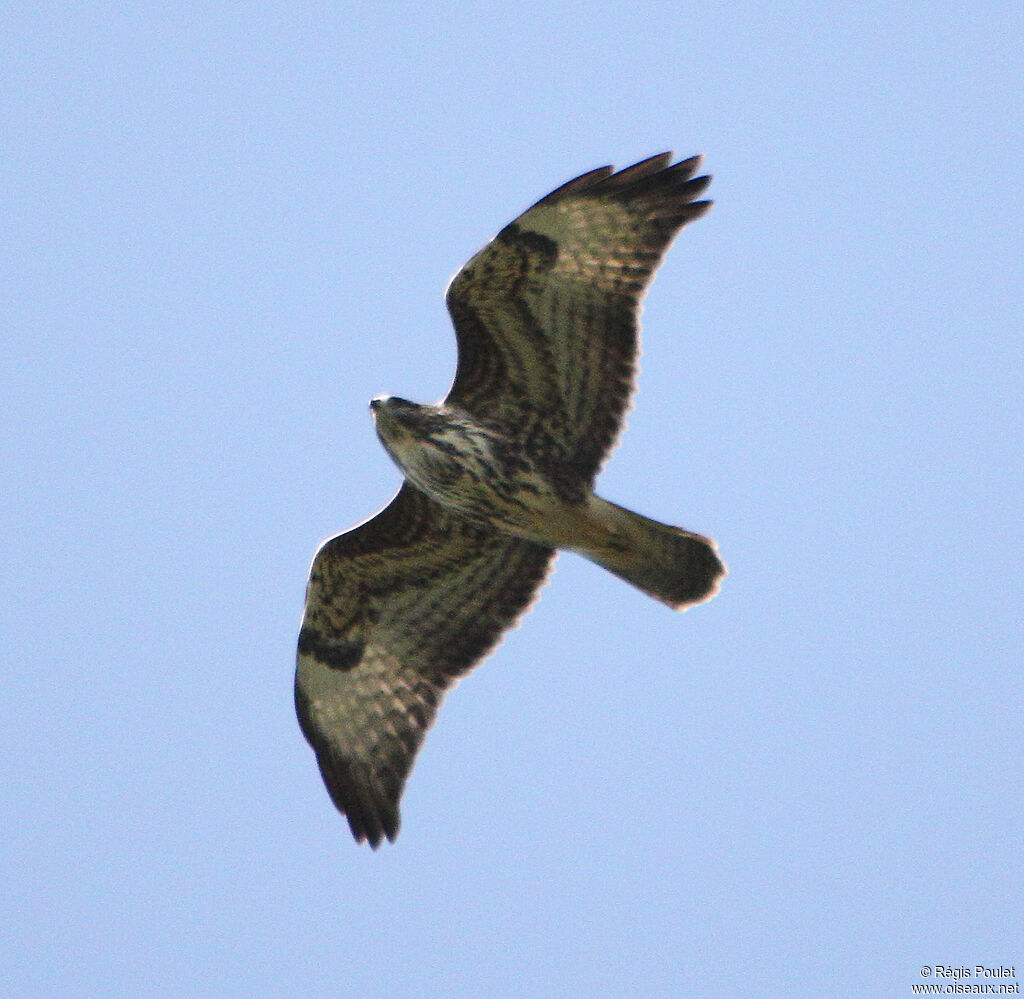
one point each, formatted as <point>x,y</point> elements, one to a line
<point>581,183</point>
<point>657,174</point>
<point>372,821</point>
<point>372,830</point>
<point>651,178</point>
<point>646,168</point>
<point>607,177</point>
<point>371,809</point>
<point>658,170</point>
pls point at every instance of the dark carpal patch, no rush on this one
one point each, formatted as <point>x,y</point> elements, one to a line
<point>542,248</point>
<point>339,653</point>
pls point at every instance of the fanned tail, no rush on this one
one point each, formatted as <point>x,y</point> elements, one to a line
<point>672,565</point>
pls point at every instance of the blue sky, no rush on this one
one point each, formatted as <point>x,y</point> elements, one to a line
<point>227,227</point>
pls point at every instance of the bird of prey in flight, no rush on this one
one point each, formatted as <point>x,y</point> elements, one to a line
<point>498,476</point>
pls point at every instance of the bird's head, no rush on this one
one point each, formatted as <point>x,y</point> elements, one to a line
<point>391,411</point>
<point>398,419</point>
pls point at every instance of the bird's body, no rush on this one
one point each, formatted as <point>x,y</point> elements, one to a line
<point>496,481</point>
<point>497,478</point>
<point>475,472</point>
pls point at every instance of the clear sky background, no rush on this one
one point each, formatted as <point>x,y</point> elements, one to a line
<point>226,227</point>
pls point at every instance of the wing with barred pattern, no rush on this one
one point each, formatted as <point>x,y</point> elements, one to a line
<point>396,610</point>
<point>546,315</point>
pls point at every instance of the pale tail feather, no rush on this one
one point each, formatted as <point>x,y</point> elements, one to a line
<point>672,565</point>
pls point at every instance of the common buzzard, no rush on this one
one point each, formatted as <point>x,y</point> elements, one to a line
<point>497,477</point>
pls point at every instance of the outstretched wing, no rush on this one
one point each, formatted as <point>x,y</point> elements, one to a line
<point>396,610</point>
<point>546,314</point>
